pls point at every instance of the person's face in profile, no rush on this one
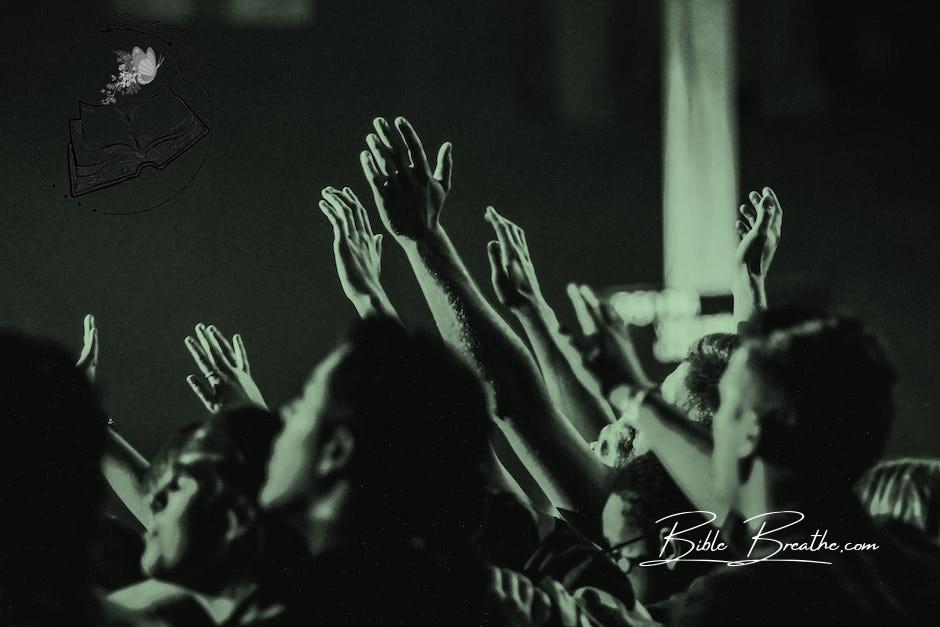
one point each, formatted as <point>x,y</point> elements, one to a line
<point>186,529</point>
<point>292,469</point>
<point>735,427</point>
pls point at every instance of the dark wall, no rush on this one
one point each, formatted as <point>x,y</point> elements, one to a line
<point>245,247</point>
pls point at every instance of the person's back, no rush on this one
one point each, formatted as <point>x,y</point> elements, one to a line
<point>380,464</point>
<point>897,583</point>
<point>804,412</point>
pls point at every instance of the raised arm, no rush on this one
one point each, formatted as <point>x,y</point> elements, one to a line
<point>123,467</point>
<point>759,228</point>
<point>225,366</point>
<point>409,197</point>
<point>572,388</point>
<point>682,445</point>
<point>357,251</point>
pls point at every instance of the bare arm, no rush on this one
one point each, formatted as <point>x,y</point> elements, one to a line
<point>123,467</point>
<point>683,446</point>
<point>125,471</point>
<point>759,228</point>
<point>409,198</point>
<point>569,385</point>
<point>357,252</point>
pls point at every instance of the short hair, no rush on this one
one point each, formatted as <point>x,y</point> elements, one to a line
<point>707,359</point>
<point>420,418</point>
<point>904,491</point>
<point>236,443</point>
<point>837,387</point>
<point>51,441</point>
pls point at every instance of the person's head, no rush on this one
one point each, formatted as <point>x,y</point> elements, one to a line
<point>205,530</point>
<point>813,401</point>
<point>51,441</point>
<point>398,425</point>
<point>692,387</point>
<point>643,493</point>
<point>905,492</point>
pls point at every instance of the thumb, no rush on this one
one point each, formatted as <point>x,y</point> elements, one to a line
<point>494,254</point>
<point>378,246</point>
<point>445,165</point>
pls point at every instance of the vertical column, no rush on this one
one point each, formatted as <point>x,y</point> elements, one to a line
<point>700,145</point>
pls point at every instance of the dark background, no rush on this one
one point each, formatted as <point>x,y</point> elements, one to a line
<point>835,102</point>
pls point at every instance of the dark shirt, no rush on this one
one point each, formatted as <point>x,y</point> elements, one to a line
<point>897,584</point>
<point>394,585</point>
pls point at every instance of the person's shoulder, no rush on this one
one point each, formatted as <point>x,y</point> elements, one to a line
<point>158,601</point>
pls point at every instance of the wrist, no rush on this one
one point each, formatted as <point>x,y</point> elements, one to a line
<point>535,310</point>
<point>433,235</point>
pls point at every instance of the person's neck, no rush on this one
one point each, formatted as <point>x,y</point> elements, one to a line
<point>327,525</point>
<point>760,494</point>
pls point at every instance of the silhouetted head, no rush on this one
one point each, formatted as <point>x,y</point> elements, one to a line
<point>815,400</point>
<point>51,442</point>
<point>397,421</point>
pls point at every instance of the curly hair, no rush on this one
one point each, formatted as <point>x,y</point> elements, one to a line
<point>707,359</point>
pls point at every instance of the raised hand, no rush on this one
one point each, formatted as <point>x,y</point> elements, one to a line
<point>759,228</point>
<point>513,274</point>
<point>225,366</point>
<point>609,351</point>
<point>88,359</point>
<point>408,194</point>
<point>357,250</point>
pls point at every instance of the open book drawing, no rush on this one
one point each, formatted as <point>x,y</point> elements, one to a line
<point>112,143</point>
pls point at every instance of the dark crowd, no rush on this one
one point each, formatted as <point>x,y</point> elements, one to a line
<point>481,475</point>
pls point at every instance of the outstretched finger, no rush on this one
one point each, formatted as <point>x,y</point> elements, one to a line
<point>413,142</point>
<point>370,170</point>
<point>445,165</point>
<point>203,336</point>
<point>778,215</point>
<point>396,150</point>
<point>580,310</point>
<point>331,216</point>
<point>359,211</point>
<point>382,155</point>
<point>502,234</point>
<point>749,213</point>
<point>221,349</point>
<point>203,362</point>
<point>345,208</point>
<point>754,197</point>
<point>202,392</point>
<point>88,357</point>
<point>241,355</point>
<point>340,213</point>
<point>593,306</point>
<point>377,240</point>
<point>741,228</point>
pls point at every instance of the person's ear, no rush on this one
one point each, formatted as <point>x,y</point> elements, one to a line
<point>336,452</point>
<point>670,551</point>
<point>240,518</point>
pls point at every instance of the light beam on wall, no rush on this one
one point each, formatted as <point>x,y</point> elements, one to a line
<point>700,145</point>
